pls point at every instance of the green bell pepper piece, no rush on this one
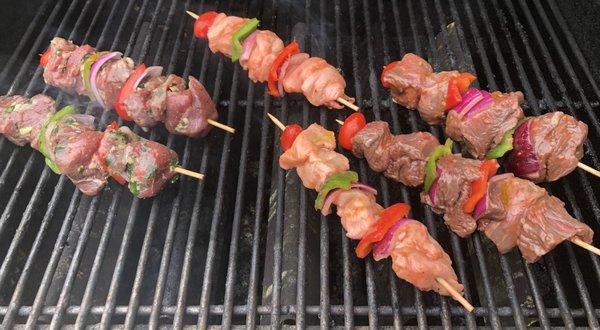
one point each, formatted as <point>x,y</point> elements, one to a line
<point>505,145</point>
<point>86,70</point>
<point>430,165</point>
<point>239,36</point>
<point>68,110</point>
<point>342,180</point>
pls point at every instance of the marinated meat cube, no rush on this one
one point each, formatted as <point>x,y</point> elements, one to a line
<point>432,103</point>
<point>112,150</point>
<point>400,157</point>
<point>454,178</point>
<point>188,111</point>
<point>149,166</point>
<point>405,79</point>
<point>525,216</point>
<point>111,78</point>
<point>8,103</point>
<point>313,157</point>
<point>417,258</point>
<point>553,142</point>
<point>221,31</point>
<point>72,143</point>
<point>147,105</point>
<point>63,69</point>
<point>320,82</point>
<point>483,130</point>
<point>357,210</point>
<point>266,48</point>
<point>23,120</point>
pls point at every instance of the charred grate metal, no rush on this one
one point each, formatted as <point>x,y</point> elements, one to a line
<point>244,247</point>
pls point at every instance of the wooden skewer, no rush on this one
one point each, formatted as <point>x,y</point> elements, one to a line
<point>339,122</point>
<point>348,104</point>
<point>457,296</point>
<point>276,121</point>
<point>193,174</point>
<point>586,246</point>
<point>589,169</point>
<point>339,99</point>
<point>221,126</point>
<point>192,14</point>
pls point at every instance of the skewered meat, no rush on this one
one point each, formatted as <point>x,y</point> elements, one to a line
<point>188,111</point>
<point>158,98</point>
<point>313,156</point>
<point>63,69</point>
<point>357,210</point>
<point>483,130</point>
<point>71,143</point>
<point>320,82</point>
<point>147,105</point>
<point>525,216</point>
<point>400,157</point>
<point>111,78</point>
<point>420,260</point>
<point>432,103</point>
<point>149,166</point>
<point>23,119</point>
<point>113,150</point>
<point>450,191</point>
<point>266,48</point>
<point>547,147</point>
<point>221,31</point>
<point>406,79</point>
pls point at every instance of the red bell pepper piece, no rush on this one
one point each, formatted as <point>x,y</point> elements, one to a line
<point>128,87</point>
<point>44,58</point>
<point>285,54</point>
<point>203,23</point>
<point>387,218</point>
<point>101,153</point>
<point>387,69</point>
<point>457,86</point>
<point>488,169</point>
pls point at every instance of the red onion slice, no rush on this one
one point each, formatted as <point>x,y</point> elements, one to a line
<point>383,248</point>
<point>152,71</point>
<point>434,187</point>
<point>365,187</point>
<point>247,46</point>
<point>523,159</point>
<point>471,92</point>
<point>480,208</point>
<point>86,120</point>
<point>325,210</point>
<point>96,69</point>
<point>281,74</point>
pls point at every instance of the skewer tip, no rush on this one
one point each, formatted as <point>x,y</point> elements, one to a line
<point>192,14</point>
<point>339,122</point>
<point>348,103</point>
<point>276,121</point>
<point>589,169</point>
<point>586,246</point>
<point>189,173</point>
<point>457,296</point>
<point>221,126</point>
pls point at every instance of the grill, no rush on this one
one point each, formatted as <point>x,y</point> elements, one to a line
<point>244,247</point>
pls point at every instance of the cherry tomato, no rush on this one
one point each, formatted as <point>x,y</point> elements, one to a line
<point>203,23</point>
<point>351,126</point>
<point>45,57</point>
<point>289,135</point>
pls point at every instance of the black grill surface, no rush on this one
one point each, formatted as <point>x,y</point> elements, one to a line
<point>244,247</point>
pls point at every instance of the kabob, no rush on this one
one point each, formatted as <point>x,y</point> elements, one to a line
<point>489,125</point>
<point>510,211</point>
<point>72,146</point>
<point>416,256</point>
<point>263,54</point>
<point>140,94</point>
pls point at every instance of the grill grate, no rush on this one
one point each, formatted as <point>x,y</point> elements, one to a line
<point>245,247</point>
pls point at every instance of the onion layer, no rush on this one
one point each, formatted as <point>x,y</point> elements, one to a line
<point>152,71</point>
<point>473,101</point>
<point>96,69</point>
<point>365,187</point>
<point>329,201</point>
<point>480,208</point>
<point>383,248</point>
<point>247,46</point>
<point>523,160</point>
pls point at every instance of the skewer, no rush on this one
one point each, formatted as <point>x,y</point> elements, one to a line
<point>589,169</point>
<point>339,99</point>
<point>586,246</point>
<point>339,122</point>
<point>221,126</point>
<point>192,174</point>
<point>457,296</point>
